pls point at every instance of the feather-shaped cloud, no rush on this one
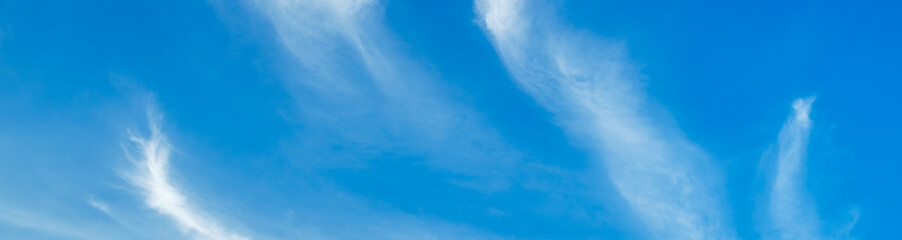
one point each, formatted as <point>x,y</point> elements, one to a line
<point>792,212</point>
<point>151,175</point>
<point>592,88</point>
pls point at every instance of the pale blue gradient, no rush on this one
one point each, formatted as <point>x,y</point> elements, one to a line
<point>486,119</point>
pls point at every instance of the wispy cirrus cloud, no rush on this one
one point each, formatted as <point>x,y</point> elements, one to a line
<point>364,94</point>
<point>593,89</point>
<point>151,174</point>
<point>99,205</point>
<point>792,212</point>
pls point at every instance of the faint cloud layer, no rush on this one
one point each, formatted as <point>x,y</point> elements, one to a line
<point>359,92</point>
<point>594,91</point>
<point>103,207</point>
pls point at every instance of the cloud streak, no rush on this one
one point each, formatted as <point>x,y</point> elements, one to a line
<point>358,87</point>
<point>151,175</point>
<point>791,211</point>
<point>591,87</point>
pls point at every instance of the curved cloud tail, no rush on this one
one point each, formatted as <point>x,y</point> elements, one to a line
<point>151,175</point>
<point>589,84</point>
<point>792,213</point>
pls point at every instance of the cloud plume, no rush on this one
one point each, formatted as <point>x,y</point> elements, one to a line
<point>590,85</point>
<point>357,86</point>
<point>151,175</point>
<point>791,210</point>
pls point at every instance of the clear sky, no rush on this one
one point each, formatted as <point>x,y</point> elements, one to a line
<point>482,119</point>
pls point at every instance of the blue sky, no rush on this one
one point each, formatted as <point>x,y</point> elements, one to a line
<point>483,119</point>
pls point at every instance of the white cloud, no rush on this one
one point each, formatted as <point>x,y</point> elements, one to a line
<point>358,87</point>
<point>151,174</point>
<point>592,88</point>
<point>316,209</point>
<point>103,207</point>
<point>791,210</point>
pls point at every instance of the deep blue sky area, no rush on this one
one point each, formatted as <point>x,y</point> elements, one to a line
<point>404,119</point>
